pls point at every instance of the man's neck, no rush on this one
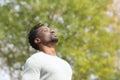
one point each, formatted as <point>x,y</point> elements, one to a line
<point>49,49</point>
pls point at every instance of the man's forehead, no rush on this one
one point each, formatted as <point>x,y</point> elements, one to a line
<point>43,27</point>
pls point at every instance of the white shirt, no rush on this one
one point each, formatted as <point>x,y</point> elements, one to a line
<point>41,66</point>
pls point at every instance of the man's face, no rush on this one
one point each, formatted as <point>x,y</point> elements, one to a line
<point>47,35</point>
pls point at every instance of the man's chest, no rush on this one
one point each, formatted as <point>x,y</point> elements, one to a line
<point>55,66</point>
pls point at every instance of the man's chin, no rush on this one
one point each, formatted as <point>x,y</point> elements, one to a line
<point>55,40</point>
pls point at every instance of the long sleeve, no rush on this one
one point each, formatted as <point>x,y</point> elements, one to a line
<point>31,71</point>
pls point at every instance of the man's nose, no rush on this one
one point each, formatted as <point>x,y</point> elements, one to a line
<point>52,31</point>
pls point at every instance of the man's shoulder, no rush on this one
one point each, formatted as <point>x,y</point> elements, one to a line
<point>36,56</point>
<point>34,59</point>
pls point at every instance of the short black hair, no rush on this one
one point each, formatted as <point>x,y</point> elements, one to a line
<point>33,34</point>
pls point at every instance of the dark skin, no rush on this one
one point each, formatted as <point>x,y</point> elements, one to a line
<point>46,40</point>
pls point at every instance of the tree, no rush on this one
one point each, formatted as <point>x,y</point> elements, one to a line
<point>87,41</point>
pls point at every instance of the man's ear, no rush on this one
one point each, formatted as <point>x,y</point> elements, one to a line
<point>37,40</point>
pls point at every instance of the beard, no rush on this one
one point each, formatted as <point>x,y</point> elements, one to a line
<point>49,39</point>
<point>54,40</point>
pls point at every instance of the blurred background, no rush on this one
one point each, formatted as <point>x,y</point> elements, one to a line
<point>88,31</point>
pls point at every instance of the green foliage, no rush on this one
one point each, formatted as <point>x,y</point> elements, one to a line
<point>81,26</point>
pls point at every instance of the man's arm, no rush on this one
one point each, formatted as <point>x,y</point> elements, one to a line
<point>31,71</point>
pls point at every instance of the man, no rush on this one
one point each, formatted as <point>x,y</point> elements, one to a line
<point>45,65</point>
